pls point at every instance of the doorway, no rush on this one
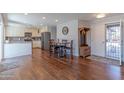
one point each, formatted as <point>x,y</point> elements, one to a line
<point>113,43</point>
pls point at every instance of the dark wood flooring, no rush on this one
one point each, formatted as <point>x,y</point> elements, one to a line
<point>42,66</point>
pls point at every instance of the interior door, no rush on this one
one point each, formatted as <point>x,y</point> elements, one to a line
<point>114,41</point>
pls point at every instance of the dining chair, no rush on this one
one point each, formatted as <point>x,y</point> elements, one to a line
<point>69,47</point>
<point>64,41</point>
<point>57,48</point>
<point>51,45</point>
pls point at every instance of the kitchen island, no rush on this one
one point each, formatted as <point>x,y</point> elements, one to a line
<point>15,49</point>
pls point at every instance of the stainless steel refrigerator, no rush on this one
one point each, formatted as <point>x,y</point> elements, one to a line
<point>45,37</point>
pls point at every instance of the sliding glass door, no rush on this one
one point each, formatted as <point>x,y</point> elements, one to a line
<point>113,41</point>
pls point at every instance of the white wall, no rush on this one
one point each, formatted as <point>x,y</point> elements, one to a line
<point>72,35</point>
<point>1,37</point>
<point>1,41</point>
<point>53,31</point>
<point>83,23</point>
<point>98,34</point>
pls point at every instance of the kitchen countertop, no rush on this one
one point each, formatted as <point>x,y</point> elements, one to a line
<point>13,42</point>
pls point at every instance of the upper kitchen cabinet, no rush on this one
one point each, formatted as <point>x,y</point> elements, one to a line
<point>19,31</point>
<point>34,31</point>
<point>14,31</point>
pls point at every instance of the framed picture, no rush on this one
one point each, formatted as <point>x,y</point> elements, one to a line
<point>65,30</point>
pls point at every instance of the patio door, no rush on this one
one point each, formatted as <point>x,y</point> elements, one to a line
<point>114,41</point>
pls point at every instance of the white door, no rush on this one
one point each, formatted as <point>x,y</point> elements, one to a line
<point>98,40</point>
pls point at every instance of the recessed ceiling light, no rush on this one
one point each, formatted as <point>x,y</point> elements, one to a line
<point>43,17</point>
<point>100,15</point>
<point>56,20</point>
<point>25,13</point>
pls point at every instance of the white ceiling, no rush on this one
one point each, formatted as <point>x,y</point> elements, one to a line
<point>35,19</point>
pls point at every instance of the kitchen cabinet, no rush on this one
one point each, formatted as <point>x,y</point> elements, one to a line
<point>36,44</point>
<point>14,32</point>
<point>19,31</point>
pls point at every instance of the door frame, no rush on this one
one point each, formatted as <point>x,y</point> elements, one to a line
<point>121,41</point>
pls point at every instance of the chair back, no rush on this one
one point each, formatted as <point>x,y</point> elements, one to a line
<point>69,44</point>
<point>64,41</point>
<point>51,42</point>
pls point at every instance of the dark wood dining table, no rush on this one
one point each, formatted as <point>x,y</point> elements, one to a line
<point>61,47</point>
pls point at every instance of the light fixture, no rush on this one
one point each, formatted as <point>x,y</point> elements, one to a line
<point>41,24</point>
<point>43,17</point>
<point>25,13</point>
<point>56,20</point>
<point>100,15</point>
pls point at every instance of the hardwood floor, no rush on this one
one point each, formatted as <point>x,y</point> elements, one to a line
<point>41,66</point>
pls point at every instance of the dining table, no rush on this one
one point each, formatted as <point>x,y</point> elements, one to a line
<point>60,46</point>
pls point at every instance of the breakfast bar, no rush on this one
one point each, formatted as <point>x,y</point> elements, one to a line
<point>17,49</point>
